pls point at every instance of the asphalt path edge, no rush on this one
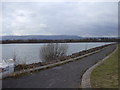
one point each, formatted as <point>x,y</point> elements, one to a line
<point>51,65</point>
<point>85,83</point>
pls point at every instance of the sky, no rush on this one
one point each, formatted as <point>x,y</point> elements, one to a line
<point>94,19</point>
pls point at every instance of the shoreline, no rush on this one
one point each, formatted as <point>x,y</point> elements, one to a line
<point>34,65</point>
<point>27,69</point>
<point>66,73</point>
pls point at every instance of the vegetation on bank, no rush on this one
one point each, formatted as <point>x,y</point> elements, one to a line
<point>22,67</point>
<point>106,74</point>
<point>53,51</point>
<point>33,65</point>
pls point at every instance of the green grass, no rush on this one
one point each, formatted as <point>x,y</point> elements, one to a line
<point>106,74</point>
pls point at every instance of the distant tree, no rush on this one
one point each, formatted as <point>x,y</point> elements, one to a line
<point>53,51</point>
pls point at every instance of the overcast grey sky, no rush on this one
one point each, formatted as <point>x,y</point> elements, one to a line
<point>60,18</point>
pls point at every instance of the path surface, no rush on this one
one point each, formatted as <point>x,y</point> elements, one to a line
<point>64,76</point>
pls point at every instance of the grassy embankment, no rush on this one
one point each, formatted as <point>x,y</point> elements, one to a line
<point>106,74</point>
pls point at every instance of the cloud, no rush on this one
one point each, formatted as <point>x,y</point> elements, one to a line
<point>61,1</point>
<point>0,19</point>
<point>68,18</point>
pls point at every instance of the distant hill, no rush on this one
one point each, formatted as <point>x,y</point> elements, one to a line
<point>41,37</point>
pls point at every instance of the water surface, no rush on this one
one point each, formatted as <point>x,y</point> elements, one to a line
<point>30,53</point>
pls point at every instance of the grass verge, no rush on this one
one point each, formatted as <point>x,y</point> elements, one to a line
<point>106,74</point>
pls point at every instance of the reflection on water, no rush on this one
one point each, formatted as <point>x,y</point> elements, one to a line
<point>29,53</point>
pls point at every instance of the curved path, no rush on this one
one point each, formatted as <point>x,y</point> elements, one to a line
<point>65,76</point>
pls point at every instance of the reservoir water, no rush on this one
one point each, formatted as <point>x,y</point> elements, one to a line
<point>30,53</point>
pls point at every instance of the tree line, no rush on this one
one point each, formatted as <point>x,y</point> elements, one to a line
<point>61,41</point>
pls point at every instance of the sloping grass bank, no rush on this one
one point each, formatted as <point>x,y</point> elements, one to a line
<point>106,74</point>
